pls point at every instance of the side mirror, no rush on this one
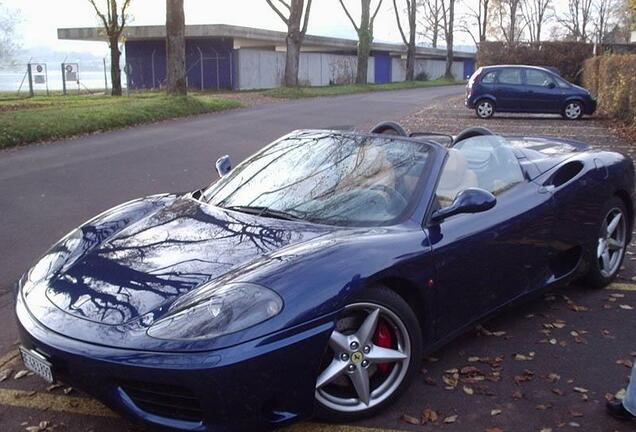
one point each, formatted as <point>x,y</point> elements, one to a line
<point>471,200</point>
<point>223,165</point>
<point>551,85</point>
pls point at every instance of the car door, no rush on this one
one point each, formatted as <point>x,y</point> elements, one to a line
<point>542,92</point>
<point>509,89</point>
<point>485,260</point>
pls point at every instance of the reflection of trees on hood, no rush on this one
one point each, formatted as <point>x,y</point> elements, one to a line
<point>159,258</point>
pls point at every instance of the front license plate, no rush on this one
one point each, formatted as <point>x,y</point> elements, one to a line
<point>37,364</point>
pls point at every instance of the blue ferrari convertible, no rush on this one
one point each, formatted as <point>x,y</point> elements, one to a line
<point>314,276</point>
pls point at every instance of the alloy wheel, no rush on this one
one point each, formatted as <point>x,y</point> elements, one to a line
<point>368,357</point>
<point>484,109</point>
<point>611,242</point>
<point>573,110</point>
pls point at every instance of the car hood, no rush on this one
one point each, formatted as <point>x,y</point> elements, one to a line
<point>119,275</point>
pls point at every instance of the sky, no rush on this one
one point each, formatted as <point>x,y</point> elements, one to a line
<point>39,19</point>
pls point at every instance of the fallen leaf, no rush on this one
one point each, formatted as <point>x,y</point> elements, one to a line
<point>473,359</point>
<point>558,325</point>
<point>430,381</point>
<point>633,353</point>
<point>494,429</point>
<point>517,395</point>
<point>53,387</point>
<point>552,377</point>
<point>557,391</point>
<point>580,390</point>
<point>4,374</point>
<point>451,419</point>
<point>576,413</point>
<point>428,415</point>
<point>546,430</point>
<point>410,419</point>
<point>620,395</point>
<point>625,362</point>
<point>432,359</point>
<point>523,357</point>
<point>617,295</point>
<point>469,390</point>
<point>498,333</point>
<point>574,424</point>
<point>543,407</point>
<point>68,390</point>
<point>451,371</point>
<point>495,412</point>
<point>21,374</point>
<point>578,308</point>
<point>625,307</point>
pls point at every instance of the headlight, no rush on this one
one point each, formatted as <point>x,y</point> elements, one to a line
<point>226,309</point>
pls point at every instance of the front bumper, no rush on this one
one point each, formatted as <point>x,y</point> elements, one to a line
<point>251,386</point>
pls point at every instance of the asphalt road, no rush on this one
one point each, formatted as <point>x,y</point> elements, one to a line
<point>48,189</point>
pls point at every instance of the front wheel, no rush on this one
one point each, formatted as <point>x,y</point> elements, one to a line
<point>609,249</point>
<point>573,110</point>
<point>484,109</point>
<point>372,355</point>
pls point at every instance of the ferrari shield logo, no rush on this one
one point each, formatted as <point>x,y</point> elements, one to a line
<point>356,357</point>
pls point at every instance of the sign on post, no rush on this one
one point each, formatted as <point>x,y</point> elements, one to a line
<point>38,76</point>
<point>70,73</point>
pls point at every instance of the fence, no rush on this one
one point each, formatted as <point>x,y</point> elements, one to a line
<point>47,77</point>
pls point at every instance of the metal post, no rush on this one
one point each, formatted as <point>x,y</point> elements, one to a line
<point>78,80</point>
<point>152,59</point>
<point>230,53</point>
<point>30,80</point>
<point>46,77</point>
<point>105,77</point>
<point>201,60</point>
<point>63,81</point>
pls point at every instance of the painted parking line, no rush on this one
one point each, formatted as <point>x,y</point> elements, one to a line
<point>622,286</point>
<point>52,402</point>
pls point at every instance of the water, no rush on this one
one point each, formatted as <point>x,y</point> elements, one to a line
<point>94,80</point>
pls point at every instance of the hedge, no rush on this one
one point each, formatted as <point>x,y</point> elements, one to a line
<point>612,80</point>
<point>567,57</point>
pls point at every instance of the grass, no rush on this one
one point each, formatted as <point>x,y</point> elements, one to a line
<point>42,118</point>
<point>336,90</point>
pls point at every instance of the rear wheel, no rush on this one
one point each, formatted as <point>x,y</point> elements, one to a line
<point>573,110</point>
<point>484,108</point>
<point>372,355</point>
<point>609,249</point>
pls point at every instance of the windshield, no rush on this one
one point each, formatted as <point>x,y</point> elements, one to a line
<point>327,177</point>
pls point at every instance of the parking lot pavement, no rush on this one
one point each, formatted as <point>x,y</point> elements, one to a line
<point>547,365</point>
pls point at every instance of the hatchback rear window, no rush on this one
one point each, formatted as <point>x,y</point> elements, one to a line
<point>489,78</point>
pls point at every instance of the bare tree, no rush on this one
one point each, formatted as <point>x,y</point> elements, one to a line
<point>8,44</point>
<point>114,20</point>
<point>411,12</point>
<point>431,20</point>
<point>576,19</point>
<point>535,14</point>
<point>448,22</point>
<point>475,21</point>
<point>509,19</point>
<point>175,48</point>
<point>365,36</point>
<point>295,34</point>
<point>603,10</point>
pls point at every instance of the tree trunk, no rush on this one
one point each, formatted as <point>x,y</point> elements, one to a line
<point>292,59</point>
<point>449,41</point>
<point>175,48</point>
<point>410,49</point>
<point>115,72</point>
<point>364,47</point>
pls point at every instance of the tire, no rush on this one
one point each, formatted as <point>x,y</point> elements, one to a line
<point>389,128</point>
<point>573,110</point>
<point>601,271</point>
<point>338,400</point>
<point>485,108</point>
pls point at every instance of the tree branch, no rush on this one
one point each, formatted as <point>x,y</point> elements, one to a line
<point>100,15</point>
<point>377,9</point>
<point>397,17</point>
<point>306,20</point>
<point>355,26</point>
<point>278,12</point>
<point>285,4</point>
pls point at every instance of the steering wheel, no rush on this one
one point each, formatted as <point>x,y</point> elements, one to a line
<point>394,197</point>
<point>389,128</point>
<point>472,132</point>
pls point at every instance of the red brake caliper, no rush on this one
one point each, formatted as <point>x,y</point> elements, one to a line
<point>383,339</point>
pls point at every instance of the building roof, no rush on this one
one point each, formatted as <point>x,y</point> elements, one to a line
<point>248,37</point>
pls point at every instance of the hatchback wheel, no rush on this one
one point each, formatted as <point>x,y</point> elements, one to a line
<point>484,109</point>
<point>372,355</point>
<point>573,110</point>
<point>608,251</point>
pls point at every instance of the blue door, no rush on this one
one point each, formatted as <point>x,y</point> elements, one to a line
<point>382,67</point>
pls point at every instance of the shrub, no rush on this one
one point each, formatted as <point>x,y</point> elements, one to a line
<point>422,76</point>
<point>567,57</point>
<point>612,79</point>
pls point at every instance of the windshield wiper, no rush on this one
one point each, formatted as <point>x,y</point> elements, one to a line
<point>264,211</point>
